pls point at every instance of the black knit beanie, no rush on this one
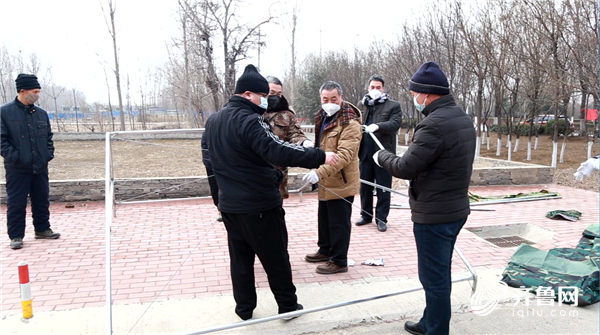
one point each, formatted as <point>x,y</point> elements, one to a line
<point>429,78</point>
<point>26,82</point>
<point>251,81</point>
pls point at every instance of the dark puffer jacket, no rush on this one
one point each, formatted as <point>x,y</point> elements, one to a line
<point>25,138</point>
<point>244,151</point>
<point>438,163</point>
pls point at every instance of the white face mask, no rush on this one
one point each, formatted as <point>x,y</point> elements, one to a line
<point>375,94</point>
<point>264,103</point>
<point>419,107</point>
<point>330,108</point>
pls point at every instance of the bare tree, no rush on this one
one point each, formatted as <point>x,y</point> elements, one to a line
<point>112,7</point>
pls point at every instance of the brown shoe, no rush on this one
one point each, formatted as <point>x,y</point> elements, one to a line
<point>316,257</point>
<point>330,268</point>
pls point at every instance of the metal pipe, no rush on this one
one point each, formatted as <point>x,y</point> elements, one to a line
<point>108,214</point>
<point>473,209</point>
<point>376,141</point>
<point>311,310</point>
<point>473,273</point>
<point>382,187</point>
<point>158,200</point>
<point>115,134</point>
<point>503,201</point>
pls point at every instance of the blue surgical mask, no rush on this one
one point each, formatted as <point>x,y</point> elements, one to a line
<point>264,103</point>
<point>419,107</point>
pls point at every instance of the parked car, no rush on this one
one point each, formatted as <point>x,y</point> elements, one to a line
<point>544,119</point>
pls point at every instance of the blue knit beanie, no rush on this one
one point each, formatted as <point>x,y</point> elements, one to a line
<point>429,78</point>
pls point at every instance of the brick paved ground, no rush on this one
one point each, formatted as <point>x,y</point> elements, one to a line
<point>177,250</point>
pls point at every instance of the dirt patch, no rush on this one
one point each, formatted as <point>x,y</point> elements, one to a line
<point>183,158</point>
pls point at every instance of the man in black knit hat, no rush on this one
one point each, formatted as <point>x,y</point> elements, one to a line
<point>438,163</point>
<point>27,147</point>
<point>244,152</point>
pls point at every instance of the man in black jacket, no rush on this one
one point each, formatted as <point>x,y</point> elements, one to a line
<point>438,163</point>
<point>382,117</point>
<point>27,147</point>
<point>244,152</point>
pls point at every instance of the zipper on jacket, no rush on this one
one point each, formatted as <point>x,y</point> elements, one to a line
<point>343,176</point>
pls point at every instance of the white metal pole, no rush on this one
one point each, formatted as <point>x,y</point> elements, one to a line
<point>108,214</point>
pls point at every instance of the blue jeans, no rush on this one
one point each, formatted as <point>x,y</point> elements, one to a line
<point>435,245</point>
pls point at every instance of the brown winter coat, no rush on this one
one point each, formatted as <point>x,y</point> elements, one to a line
<point>284,124</point>
<point>341,136</point>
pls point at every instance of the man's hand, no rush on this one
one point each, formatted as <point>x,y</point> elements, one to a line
<point>376,157</point>
<point>371,128</point>
<point>311,177</point>
<point>586,168</point>
<point>331,158</point>
<point>308,144</point>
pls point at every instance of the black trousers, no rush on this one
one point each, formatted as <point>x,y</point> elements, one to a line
<point>369,171</point>
<point>264,235</point>
<point>212,183</point>
<point>18,187</point>
<point>334,229</point>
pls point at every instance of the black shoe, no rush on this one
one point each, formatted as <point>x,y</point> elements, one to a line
<point>48,233</point>
<point>16,243</point>
<point>244,316</point>
<point>381,226</point>
<point>413,328</point>
<point>288,318</point>
<point>362,222</point>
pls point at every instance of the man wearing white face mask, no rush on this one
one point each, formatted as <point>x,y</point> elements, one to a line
<point>438,163</point>
<point>382,117</point>
<point>337,129</point>
<point>27,147</point>
<point>243,152</point>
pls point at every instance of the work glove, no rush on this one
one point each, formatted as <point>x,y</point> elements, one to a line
<point>371,128</point>
<point>376,157</point>
<point>586,168</point>
<point>308,144</point>
<point>311,177</point>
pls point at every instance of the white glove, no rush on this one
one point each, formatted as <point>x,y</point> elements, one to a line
<point>371,128</point>
<point>308,144</point>
<point>311,177</point>
<point>586,168</point>
<point>376,158</point>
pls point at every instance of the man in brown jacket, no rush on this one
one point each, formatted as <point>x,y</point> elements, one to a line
<point>338,129</point>
<point>283,124</point>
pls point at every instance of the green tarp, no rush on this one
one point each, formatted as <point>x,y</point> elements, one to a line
<point>561,267</point>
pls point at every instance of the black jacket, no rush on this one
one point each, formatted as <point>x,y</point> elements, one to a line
<point>438,163</point>
<point>25,138</point>
<point>388,116</point>
<point>244,151</point>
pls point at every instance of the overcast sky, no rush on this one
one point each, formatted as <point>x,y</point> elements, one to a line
<point>71,36</point>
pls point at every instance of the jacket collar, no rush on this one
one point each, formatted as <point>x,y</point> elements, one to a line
<point>26,108</point>
<point>443,101</point>
<point>245,103</point>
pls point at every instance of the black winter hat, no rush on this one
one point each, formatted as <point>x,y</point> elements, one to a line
<point>429,78</point>
<point>27,82</point>
<point>251,81</point>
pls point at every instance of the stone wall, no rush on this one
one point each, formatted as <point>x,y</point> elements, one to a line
<point>171,188</point>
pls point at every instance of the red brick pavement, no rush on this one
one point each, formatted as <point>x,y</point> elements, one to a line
<point>176,249</point>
